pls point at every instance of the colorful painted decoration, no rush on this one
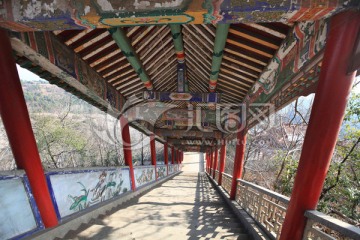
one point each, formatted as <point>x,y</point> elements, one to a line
<point>45,15</point>
<point>191,97</point>
<point>73,191</point>
<point>300,47</point>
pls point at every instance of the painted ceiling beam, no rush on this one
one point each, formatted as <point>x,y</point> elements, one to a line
<point>124,44</point>
<point>222,31</point>
<point>190,134</point>
<point>183,85</point>
<point>64,14</point>
<point>192,142</point>
<point>175,96</point>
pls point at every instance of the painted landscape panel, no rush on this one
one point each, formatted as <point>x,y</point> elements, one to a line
<point>73,191</point>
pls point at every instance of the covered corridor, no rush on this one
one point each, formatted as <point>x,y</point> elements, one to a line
<point>190,76</point>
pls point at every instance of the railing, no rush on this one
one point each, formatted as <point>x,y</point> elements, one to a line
<point>216,176</point>
<point>321,226</point>
<point>226,182</point>
<point>268,208</point>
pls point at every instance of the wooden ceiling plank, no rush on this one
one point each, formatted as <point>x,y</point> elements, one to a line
<point>248,47</point>
<point>120,81</point>
<point>110,55</point>
<point>147,41</point>
<point>86,36</point>
<point>204,34</point>
<point>155,72</point>
<point>267,30</point>
<point>107,49</point>
<point>210,28</point>
<point>253,39</point>
<point>120,74</point>
<point>239,54</point>
<point>203,59</point>
<point>158,58</point>
<point>251,81</point>
<point>109,62</point>
<point>163,75</point>
<point>119,65</point>
<point>93,44</point>
<point>200,41</point>
<point>236,82</point>
<point>240,68</point>
<point>195,67</point>
<point>147,31</point>
<point>155,44</point>
<point>65,36</point>
<point>198,48</point>
<point>235,85</point>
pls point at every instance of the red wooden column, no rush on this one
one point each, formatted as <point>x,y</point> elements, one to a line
<point>166,156</point>
<point>207,161</point>
<point>238,161</point>
<point>222,160</point>
<point>215,161</point>
<point>177,156</point>
<point>326,117</point>
<point>126,141</point>
<point>172,155</point>
<point>18,128</point>
<point>211,161</point>
<point>153,152</point>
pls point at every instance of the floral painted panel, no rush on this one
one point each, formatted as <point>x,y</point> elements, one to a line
<point>144,175</point>
<point>73,191</point>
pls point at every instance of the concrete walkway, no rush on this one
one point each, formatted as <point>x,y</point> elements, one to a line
<point>185,207</point>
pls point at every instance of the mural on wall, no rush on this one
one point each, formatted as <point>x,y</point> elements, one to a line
<point>49,15</point>
<point>306,40</point>
<point>160,171</point>
<point>73,191</point>
<point>19,215</point>
<point>144,175</point>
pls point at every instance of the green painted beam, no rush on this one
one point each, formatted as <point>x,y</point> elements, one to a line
<point>222,31</point>
<point>124,44</point>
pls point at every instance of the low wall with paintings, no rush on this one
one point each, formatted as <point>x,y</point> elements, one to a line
<point>19,215</point>
<point>144,175</point>
<point>74,190</point>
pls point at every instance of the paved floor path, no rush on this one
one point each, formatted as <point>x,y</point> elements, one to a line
<point>184,207</point>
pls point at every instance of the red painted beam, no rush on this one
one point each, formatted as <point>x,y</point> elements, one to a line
<point>222,160</point>
<point>166,156</point>
<point>238,161</point>
<point>126,141</point>
<point>215,161</point>
<point>325,121</point>
<point>18,128</point>
<point>153,152</point>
